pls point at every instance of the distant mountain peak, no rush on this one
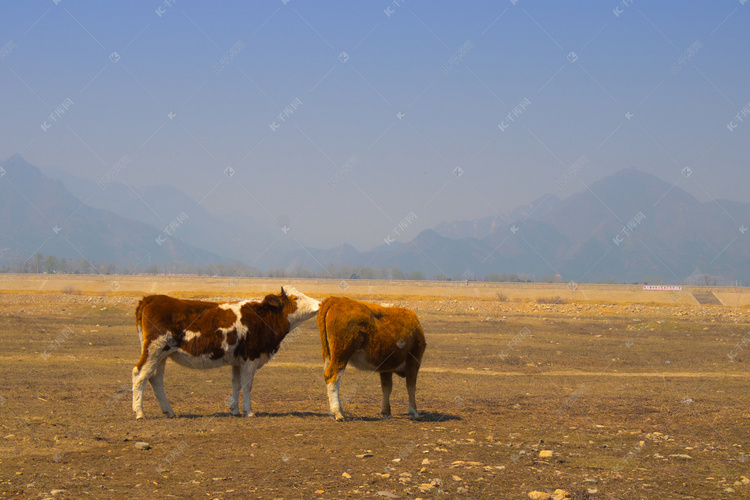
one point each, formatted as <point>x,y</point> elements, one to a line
<point>481,228</point>
<point>631,174</point>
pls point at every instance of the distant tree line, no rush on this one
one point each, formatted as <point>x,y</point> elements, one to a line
<point>508,278</point>
<point>51,264</point>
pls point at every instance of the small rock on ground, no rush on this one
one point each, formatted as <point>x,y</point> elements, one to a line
<point>560,495</point>
<point>539,495</point>
<point>387,494</point>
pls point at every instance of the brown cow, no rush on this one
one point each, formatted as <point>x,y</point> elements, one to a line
<point>201,335</point>
<point>370,337</point>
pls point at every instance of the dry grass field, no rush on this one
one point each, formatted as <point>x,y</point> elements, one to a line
<point>605,392</point>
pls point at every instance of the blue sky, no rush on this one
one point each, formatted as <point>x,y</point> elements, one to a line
<point>339,119</point>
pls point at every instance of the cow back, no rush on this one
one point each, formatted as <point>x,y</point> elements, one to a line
<point>386,335</point>
<point>161,313</point>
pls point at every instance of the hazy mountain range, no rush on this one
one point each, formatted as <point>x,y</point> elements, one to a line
<point>628,227</point>
<point>233,236</point>
<point>39,215</point>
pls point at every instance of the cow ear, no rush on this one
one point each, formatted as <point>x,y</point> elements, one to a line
<point>283,293</point>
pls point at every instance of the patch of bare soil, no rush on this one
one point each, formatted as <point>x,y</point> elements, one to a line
<point>600,400</point>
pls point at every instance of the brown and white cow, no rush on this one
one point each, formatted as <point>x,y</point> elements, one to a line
<point>370,337</point>
<point>201,335</point>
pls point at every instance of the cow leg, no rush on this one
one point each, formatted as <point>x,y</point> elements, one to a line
<point>157,384</point>
<point>248,373</point>
<point>139,384</point>
<point>234,400</point>
<point>332,375</point>
<point>386,383</point>
<point>334,401</point>
<point>153,371</point>
<point>412,368</point>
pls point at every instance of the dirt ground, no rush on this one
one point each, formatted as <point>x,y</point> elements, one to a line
<point>603,400</point>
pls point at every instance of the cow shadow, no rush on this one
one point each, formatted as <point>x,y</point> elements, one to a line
<point>437,417</point>
<point>301,414</point>
<point>434,417</point>
<point>196,415</point>
<point>423,417</point>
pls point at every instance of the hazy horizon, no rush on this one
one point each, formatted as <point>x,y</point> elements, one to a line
<point>54,173</point>
<point>335,124</point>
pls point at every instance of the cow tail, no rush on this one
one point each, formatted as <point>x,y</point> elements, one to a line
<point>323,329</point>
<point>138,317</point>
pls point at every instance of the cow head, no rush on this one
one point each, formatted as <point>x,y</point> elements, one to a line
<point>297,306</point>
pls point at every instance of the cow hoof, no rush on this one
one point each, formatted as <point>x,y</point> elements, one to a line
<point>414,416</point>
<point>386,416</point>
<point>169,414</point>
<point>250,415</point>
<point>339,417</point>
<point>140,417</point>
<point>235,413</point>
